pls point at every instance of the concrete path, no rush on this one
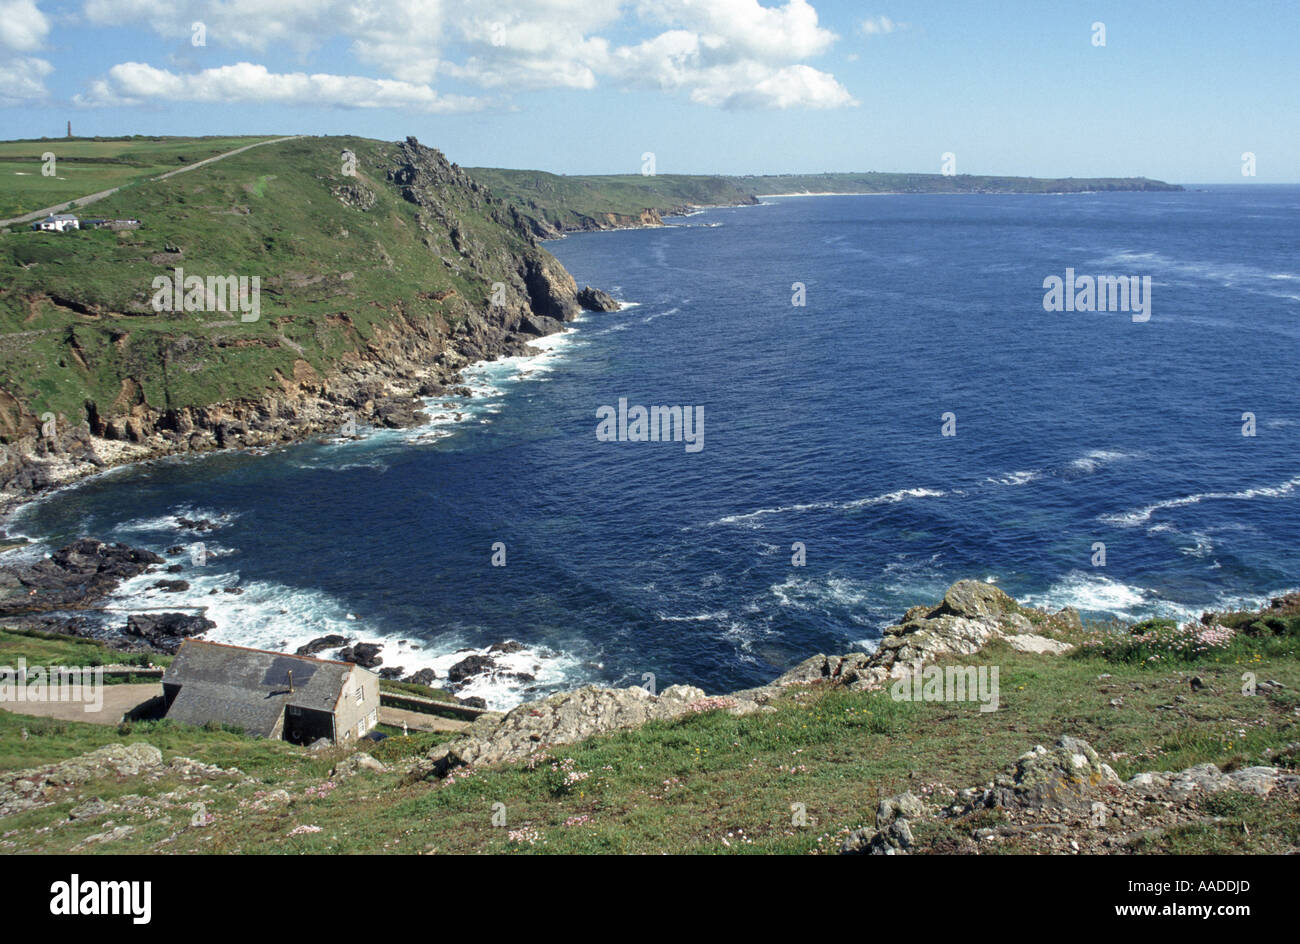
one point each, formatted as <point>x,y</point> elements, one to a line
<point>418,720</point>
<point>118,700</point>
<point>82,201</point>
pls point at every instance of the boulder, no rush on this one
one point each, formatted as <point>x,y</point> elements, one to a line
<point>166,631</point>
<point>593,299</point>
<point>321,643</point>
<point>1070,775</point>
<point>976,600</point>
<point>422,677</point>
<point>364,654</point>
<point>469,667</point>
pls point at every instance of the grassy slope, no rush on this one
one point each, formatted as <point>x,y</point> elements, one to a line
<point>578,202</point>
<point>87,165</point>
<point>572,202</point>
<point>268,212</point>
<point>690,784</point>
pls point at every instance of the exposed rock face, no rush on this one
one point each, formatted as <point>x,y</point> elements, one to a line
<point>411,350</point>
<point>72,578</point>
<point>564,718</point>
<point>1069,775</point>
<point>971,615</point>
<point>593,299</point>
<point>1066,799</point>
<point>364,654</point>
<point>39,787</point>
<point>166,631</point>
<point>321,643</point>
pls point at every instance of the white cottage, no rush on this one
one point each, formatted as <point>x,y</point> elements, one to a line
<point>58,223</point>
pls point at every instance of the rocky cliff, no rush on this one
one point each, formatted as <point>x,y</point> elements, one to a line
<point>378,287</point>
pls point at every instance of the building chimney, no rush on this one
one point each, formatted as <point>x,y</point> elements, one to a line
<point>69,128</point>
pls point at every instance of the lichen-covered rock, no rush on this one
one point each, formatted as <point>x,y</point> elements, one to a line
<point>39,786</point>
<point>1043,645</point>
<point>892,835</point>
<point>1261,781</point>
<point>565,718</point>
<point>1070,775</point>
<point>976,600</point>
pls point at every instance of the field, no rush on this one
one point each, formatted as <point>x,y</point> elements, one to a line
<point>83,166</point>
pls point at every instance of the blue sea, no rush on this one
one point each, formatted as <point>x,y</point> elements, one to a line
<point>822,427</point>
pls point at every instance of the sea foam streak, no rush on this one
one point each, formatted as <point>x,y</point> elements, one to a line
<point>1129,519</point>
<point>886,499</point>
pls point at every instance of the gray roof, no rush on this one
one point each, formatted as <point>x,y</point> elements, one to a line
<point>249,687</point>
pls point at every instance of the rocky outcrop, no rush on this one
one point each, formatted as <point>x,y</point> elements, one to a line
<point>418,346</point>
<point>164,632</point>
<point>1067,799</point>
<point>564,718</point>
<point>321,643</point>
<point>39,787</point>
<point>593,299</point>
<point>73,577</point>
<point>971,615</point>
<point>364,654</point>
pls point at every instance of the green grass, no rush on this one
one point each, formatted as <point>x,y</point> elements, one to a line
<point>710,782</point>
<point>76,321</point>
<point>566,202</point>
<point>48,649</point>
<point>83,166</point>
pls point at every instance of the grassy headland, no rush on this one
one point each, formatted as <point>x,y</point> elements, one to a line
<point>713,782</point>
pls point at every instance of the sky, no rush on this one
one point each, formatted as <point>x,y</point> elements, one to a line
<point>1177,91</point>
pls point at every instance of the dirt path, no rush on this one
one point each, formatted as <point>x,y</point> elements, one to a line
<point>419,721</point>
<point>118,700</point>
<point>83,201</point>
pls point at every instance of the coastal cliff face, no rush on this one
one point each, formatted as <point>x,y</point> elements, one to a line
<point>377,286</point>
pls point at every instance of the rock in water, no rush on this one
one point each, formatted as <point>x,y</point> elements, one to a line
<point>593,299</point>
<point>166,631</point>
<point>364,654</point>
<point>321,643</point>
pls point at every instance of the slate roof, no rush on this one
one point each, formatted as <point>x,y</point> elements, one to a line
<point>249,687</point>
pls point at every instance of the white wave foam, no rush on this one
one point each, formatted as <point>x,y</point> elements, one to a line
<point>279,618</point>
<point>1129,519</point>
<point>171,522</point>
<point>887,499</point>
<point>1092,593</point>
<point>1094,459</point>
<point>1015,478</point>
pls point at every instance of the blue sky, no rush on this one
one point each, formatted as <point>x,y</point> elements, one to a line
<point>1179,90</point>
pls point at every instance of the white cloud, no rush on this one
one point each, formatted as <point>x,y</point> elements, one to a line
<point>731,53</point>
<point>880,25</point>
<point>23,28</point>
<point>131,83</point>
<point>22,79</point>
